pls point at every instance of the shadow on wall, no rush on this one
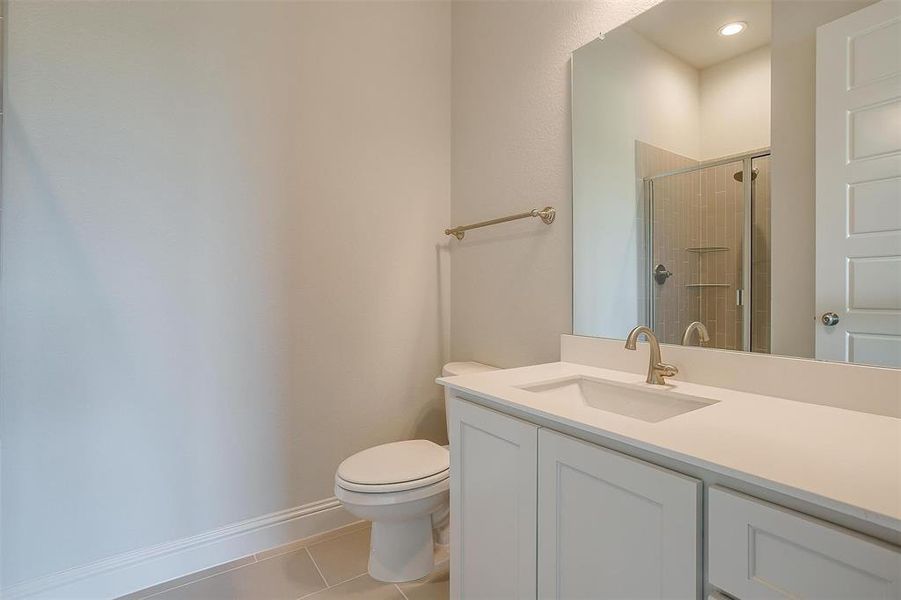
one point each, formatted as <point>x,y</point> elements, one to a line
<point>430,423</point>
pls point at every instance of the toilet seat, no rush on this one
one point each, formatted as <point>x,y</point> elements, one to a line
<point>386,488</point>
<point>385,499</point>
<point>394,467</point>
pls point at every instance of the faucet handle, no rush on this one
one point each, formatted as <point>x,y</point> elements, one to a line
<point>667,370</point>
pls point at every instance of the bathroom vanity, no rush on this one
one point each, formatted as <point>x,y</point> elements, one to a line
<point>747,475</point>
<point>573,481</point>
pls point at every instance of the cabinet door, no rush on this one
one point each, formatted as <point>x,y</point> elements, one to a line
<point>493,504</point>
<point>611,526</point>
<point>760,550</point>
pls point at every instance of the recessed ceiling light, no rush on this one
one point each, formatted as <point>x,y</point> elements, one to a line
<point>733,28</point>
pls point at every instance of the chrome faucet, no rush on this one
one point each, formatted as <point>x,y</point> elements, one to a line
<point>703,335</point>
<point>656,369</point>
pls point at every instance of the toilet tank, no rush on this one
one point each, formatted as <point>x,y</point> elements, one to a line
<point>461,368</point>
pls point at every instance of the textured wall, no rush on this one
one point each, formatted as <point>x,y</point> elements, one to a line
<point>735,105</point>
<point>511,286</point>
<point>221,255</point>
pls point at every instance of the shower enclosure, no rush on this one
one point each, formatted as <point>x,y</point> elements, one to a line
<point>706,240</point>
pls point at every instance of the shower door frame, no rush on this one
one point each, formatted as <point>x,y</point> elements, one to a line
<point>647,183</point>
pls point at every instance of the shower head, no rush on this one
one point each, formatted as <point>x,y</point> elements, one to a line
<point>740,175</point>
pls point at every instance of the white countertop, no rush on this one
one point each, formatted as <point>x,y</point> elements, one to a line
<point>843,460</point>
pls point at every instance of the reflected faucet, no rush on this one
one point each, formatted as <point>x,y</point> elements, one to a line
<point>656,369</point>
<point>703,335</point>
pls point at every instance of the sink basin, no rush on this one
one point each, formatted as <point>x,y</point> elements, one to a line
<point>651,403</point>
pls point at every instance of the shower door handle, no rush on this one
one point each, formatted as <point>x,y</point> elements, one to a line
<point>661,274</point>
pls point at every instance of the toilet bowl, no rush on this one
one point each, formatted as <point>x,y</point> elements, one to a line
<point>404,489</point>
<point>398,487</point>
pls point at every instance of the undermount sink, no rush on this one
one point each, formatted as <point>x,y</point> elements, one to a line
<point>635,400</point>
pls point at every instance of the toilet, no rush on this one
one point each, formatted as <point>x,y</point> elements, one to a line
<point>404,489</point>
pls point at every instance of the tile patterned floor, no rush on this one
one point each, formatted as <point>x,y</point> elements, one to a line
<point>329,567</point>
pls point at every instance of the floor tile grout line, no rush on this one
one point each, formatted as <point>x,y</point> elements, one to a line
<point>311,594</point>
<point>348,579</point>
<point>318,570</point>
<point>401,592</point>
<point>254,558</point>
<point>337,537</point>
<point>314,540</point>
<point>307,548</point>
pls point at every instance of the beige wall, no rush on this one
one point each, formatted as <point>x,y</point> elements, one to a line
<point>512,287</point>
<point>793,168</point>
<point>655,101</point>
<point>222,261</point>
<point>735,105</point>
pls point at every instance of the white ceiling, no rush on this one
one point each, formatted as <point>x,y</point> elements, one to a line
<point>689,29</point>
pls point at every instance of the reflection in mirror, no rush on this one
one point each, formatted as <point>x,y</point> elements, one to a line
<point>673,195</point>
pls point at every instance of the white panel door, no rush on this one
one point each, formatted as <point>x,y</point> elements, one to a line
<point>493,504</point>
<point>611,526</point>
<point>858,204</point>
<point>759,550</point>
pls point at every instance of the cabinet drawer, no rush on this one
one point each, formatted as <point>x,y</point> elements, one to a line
<point>760,550</point>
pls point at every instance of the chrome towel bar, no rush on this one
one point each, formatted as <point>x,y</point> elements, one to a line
<point>546,214</point>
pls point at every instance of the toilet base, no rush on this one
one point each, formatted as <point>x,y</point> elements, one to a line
<point>401,550</point>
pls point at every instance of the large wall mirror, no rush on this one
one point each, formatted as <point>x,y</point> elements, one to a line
<point>738,164</point>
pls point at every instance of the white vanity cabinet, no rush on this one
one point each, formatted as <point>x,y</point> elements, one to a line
<point>544,507</point>
<point>537,514</point>
<point>611,526</point>
<point>493,503</point>
<point>760,550</point>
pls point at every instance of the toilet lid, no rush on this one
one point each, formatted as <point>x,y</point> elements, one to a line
<point>397,462</point>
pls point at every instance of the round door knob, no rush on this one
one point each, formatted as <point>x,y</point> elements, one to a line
<point>661,274</point>
<point>829,319</point>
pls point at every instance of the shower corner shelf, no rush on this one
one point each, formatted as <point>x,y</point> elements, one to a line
<point>703,249</point>
<point>701,285</point>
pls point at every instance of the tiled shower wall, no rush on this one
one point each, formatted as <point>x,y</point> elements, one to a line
<point>676,209</point>
<point>698,235</point>
<point>722,226</point>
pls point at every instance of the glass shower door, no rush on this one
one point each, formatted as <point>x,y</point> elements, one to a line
<point>696,229</point>
<point>760,255</point>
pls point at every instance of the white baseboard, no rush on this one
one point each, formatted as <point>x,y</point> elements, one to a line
<point>132,571</point>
